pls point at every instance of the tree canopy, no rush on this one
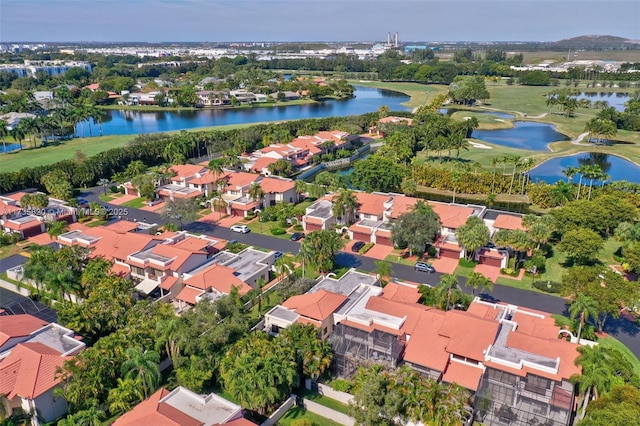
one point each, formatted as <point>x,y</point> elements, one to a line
<point>416,228</point>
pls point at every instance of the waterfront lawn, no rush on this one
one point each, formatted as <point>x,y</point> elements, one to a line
<point>299,413</point>
<point>486,121</point>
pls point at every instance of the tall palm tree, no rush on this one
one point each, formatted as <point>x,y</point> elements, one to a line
<point>301,187</point>
<point>4,132</point>
<point>17,132</point>
<point>166,331</point>
<point>284,266</point>
<point>127,394</point>
<point>384,270</point>
<point>515,161</point>
<point>444,290</point>
<point>143,366</point>
<point>569,173</point>
<point>256,193</point>
<point>583,308</point>
<point>596,377</point>
<point>345,204</point>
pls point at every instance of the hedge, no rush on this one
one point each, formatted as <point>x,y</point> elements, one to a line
<point>548,286</point>
<point>277,231</point>
<point>365,248</point>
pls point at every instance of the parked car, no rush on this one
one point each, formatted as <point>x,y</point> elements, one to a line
<point>357,246</point>
<point>424,267</point>
<point>243,229</point>
<point>81,202</point>
<point>277,255</point>
<point>296,236</point>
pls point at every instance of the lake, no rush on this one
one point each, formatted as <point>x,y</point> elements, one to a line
<point>125,122</point>
<point>524,135</point>
<point>616,100</point>
<point>617,168</point>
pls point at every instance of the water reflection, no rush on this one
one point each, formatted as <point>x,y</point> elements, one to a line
<point>615,167</point>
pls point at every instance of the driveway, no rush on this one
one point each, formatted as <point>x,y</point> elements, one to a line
<point>491,272</point>
<point>121,200</point>
<point>378,251</point>
<point>445,265</point>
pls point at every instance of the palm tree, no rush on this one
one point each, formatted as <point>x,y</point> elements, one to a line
<point>127,394</point>
<point>478,281</point>
<point>18,134</point>
<point>583,307</point>
<point>515,160</point>
<point>384,270</point>
<point>284,266</point>
<point>596,377</point>
<point>57,228</point>
<point>301,187</point>
<point>4,131</point>
<point>444,290</point>
<point>569,173</point>
<point>256,193</point>
<point>592,172</point>
<point>143,366</point>
<point>103,183</point>
<point>166,331</point>
<point>345,204</point>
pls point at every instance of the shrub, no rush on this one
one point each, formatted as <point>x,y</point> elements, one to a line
<point>465,263</point>
<point>548,286</point>
<point>342,385</point>
<point>84,219</point>
<point>298,228</point>
<point>365,248</point>
<point>509,271</point>
<point>114,189</point>
<point>302,422</point>
<point>277,231</point>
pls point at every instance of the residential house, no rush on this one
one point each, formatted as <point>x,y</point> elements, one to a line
<point>287,95</point>
<point>225,270</point>
<point>29,222</point>
<point>185,408</point>
<point>375,214</point>
<point>139,98</point>
<point>379,128</point>
<point>31,351</point>
<point>495,221</point>
<point>278,190</point>
<point>213,98</point>
<point>243,96</point>
<point>13,118</point>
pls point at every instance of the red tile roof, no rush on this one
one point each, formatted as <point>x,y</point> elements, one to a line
<point>272,185</point>
<point>426,347</point>
<point>372,204</point>
<point>189,294</point>
<point>220,277</point>
<point>122,226</point>
<point>318,306</point>
<point>262,163</point>
<point>505,221</point>
<point>186,170</point>
<point>12,326</point>
<point>152,412</point>
<point>241,179</point>
<point>401,293</point>
<point>168,282</point>
<point>120,270</point>
<point>468,335</point>
<point>20,226</point>
<point>452,217</point>
<point>30,370</point>
<point>465,375</point>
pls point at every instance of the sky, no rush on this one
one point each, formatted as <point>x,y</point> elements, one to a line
<point>314,20</point>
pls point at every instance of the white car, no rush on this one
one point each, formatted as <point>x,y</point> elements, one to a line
<point>243,229</point>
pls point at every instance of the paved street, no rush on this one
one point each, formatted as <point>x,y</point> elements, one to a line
<point>622,329</point>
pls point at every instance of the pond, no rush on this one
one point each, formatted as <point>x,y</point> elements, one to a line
<point>617,168</point>
<point>6,147</point>
<point>616,100</point>
<point>527,135</point>
<point>367,99</point>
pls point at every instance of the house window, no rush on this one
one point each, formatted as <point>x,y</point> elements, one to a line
<point>275,329</point>
<point>324,331</point>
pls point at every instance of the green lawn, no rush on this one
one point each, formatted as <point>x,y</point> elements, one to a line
<point>615,343</point>
<point>327,402</point>
<point>95,223</point>
<point>109,197</point>
<point>296,413</point>
<point>463,271</point>
<point>264,228</point>
<point>136,203</point>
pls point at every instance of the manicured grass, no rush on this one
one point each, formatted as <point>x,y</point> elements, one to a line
<point>397,257</point>
<point>326,401</point>
<point>16,160</point>
<point>420,93</point>
<point>463,271</point>
<point>524,284</point>
<point>6,251</point>
<point>612,342</point>
<point>486,121</point>
<point>264,228</point>
<point>296,413</point>
<point>109,197</point>
<point>136,203</point>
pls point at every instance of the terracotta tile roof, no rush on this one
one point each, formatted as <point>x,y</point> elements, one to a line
<point>536,327</point>
<point>240,422</point>
<point>505,221</point>
<point>122,226</point>
<point>189,294</point>
<point>465,375</point>
<point>361,229</point>
<point>307,144</point>
<point>483,311</point>
<point>220,277</point>
<point>6,208</point>
<point>426,347</point>
<point>468,335</point>
<point>402,205</point>
<point>93,86</point>
<point>492,254</point>
<point>12,326</point>
<point>262,163</point>
<point>168,193</point>
<point>120,270</point>
<point>452,217</point>
<point>276,186</point>
<point>401,293</point>
<point>318,306</point>
<point>241,179</point>
<point>372,204</point>
<point>179,255</point>
<point>152,412</point>
<point>29,370</point>
<point>313,220</point>
<point>17,196</point>
<point>186,170</point>
<point>168,282</point>
<point>412,312</point>
<point>20,226</point>
<point>242,206</point>
<point>551,348</point>
<point>191,244</point>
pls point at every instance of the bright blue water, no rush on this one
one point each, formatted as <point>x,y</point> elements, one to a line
<point>6,147</point>
<point>617,168</point>
<point>615,100</point>
<point>122,122</point>
<point>525,135</point>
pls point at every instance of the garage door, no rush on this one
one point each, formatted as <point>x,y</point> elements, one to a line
<point>492,261</point>
<point>312,227</point>
<point>386,241</point>
<point>451,254</point>
<point>237,212</point>
<point>358,236</point>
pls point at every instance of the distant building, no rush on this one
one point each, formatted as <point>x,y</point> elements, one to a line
<point>53,68</point>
